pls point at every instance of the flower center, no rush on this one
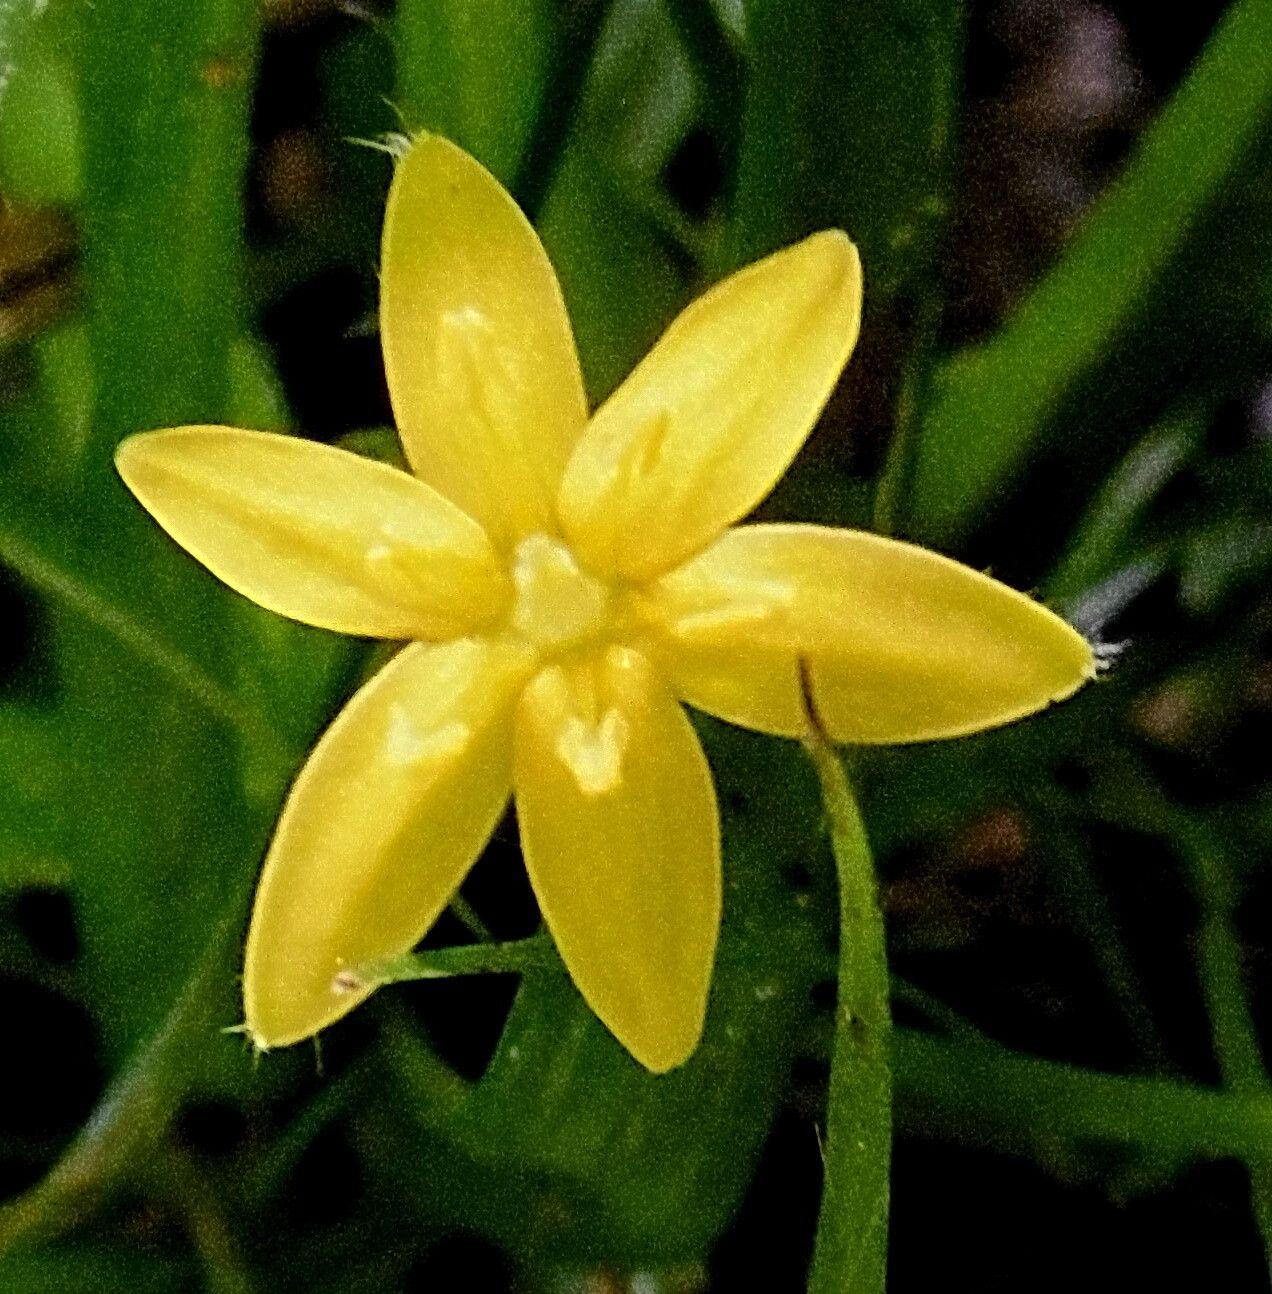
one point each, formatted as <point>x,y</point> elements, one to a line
<point>557,604</point>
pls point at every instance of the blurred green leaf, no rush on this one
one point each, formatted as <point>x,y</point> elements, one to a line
<point>255,397</point>
<point>33,806</point>
<point>986,1095</point>
<point>1155,262</point>
<point>84,1269</point>
<point>1222,559</point>
<point>40,139</point>
<point>164,133</point>
<point>1102,540</point>
<point>140,1101</point>
<point>155,679</point>
<point>732,17</point>
<point>622,276</point>
<point>849,121</point>
<point>476,73</point>
<point>357,82</point>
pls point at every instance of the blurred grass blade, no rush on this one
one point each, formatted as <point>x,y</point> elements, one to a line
<point>714,45</point>
<point>622,274</point>
<point>1221,559</point>
<point>1221,962</point>
<point>139,1104</point>
<point>993,402</point>
<point>84,1269</point>
<point>31,553</point>
<point>165,95</point>
<point>1105,535</point>
<point>33,810</point>
<point>141,658</point>
<point>476,73</point>
<point>40,166</point>
<point>848,121</point>
<point>17,24</point>
<point>165,114</point>
<point>732,16</point>
<point>985,1095</point>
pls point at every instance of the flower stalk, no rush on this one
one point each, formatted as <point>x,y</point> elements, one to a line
<point>850,1256</point>
<point>517,955</point>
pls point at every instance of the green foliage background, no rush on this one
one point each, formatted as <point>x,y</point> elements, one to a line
<point>150,721</point>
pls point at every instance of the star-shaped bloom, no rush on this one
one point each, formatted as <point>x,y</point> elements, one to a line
<point>565,582</point>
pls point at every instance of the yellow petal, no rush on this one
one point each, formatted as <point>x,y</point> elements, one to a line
<point>902,643</point>
<point>710,419</point>
<point>478,351</point>
<point>386,818</point>
<point>317,533</point>
<point>621,838</point>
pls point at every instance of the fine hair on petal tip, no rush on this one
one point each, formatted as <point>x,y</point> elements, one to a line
<point>251,1039</point>
<point>395,143</point>
<point>1107,654</point>
<point>1093,610</point>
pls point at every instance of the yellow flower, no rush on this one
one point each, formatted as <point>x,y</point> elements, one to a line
<point>566,583</point>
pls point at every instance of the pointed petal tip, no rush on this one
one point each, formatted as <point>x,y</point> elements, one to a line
<point>284,1016</point>
<point>837,243</point>
<point>390,811</point>
<point>130,453</point>
<point>401,143</point>
<point>427,147</point>
<point>414,143</point>
<point>259,1043</point>
<point>143,449</point>
<point>838,252</point>
<point>843,262</point>
<point>662,1055</point>
<point>269,1035</point>
<point>1083,652</point>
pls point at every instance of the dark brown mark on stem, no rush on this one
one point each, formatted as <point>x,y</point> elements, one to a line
<point>811,712</point>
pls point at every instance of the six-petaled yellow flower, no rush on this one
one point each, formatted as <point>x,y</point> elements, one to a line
<point>565,582</point>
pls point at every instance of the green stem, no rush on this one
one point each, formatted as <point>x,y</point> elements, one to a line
<point>984,1095</point>
<point>851,1252</point>
<point>535,953</point>
<point>939,1013</point>
<point>1233,1032</point>
<point>470,919</point>
<point>1234,1035</point>
<point>224,1271</point>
